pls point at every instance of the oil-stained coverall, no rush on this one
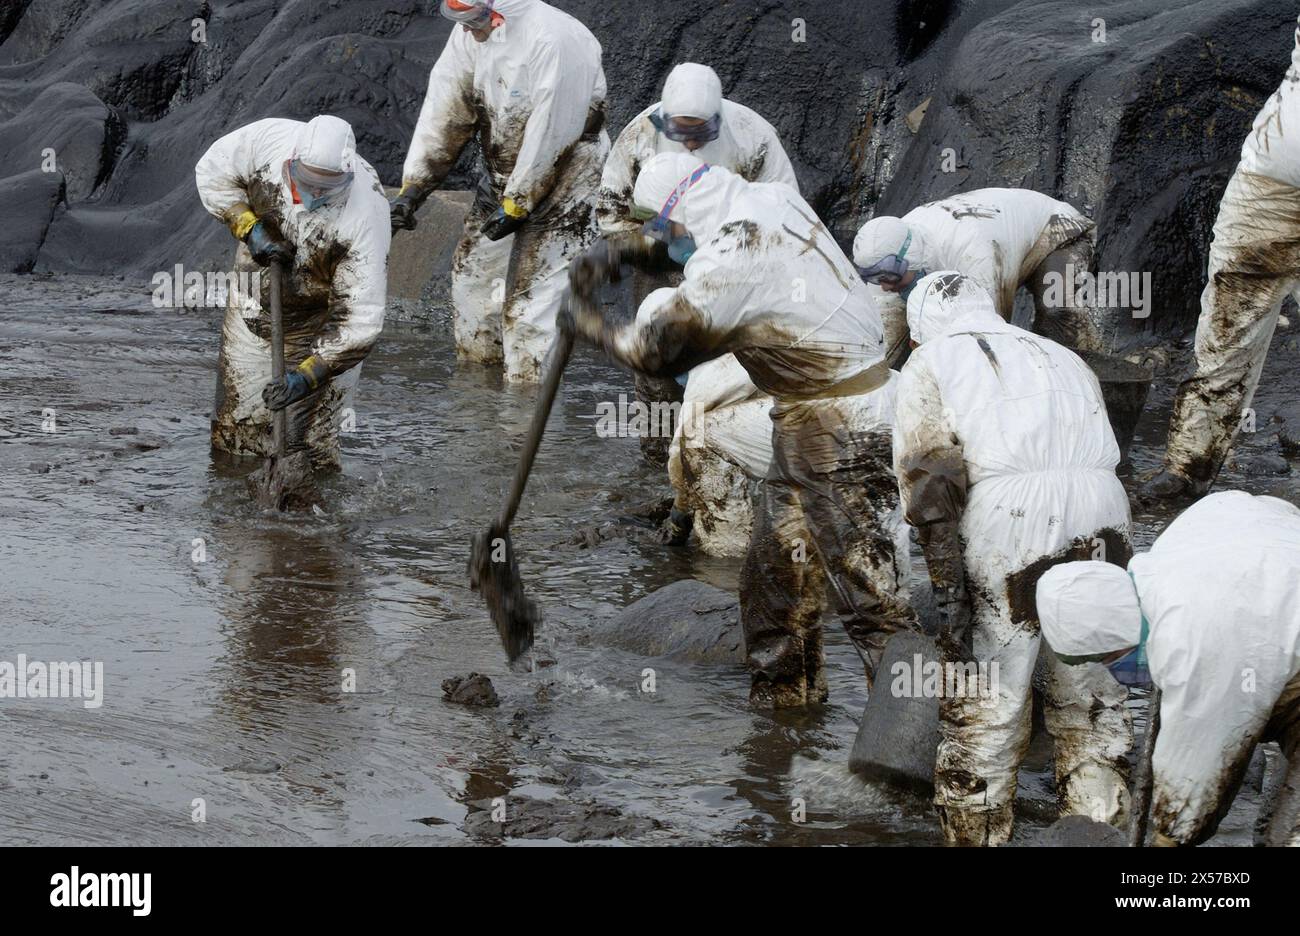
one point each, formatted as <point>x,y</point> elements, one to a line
<point>332,297</point>
<point>1006,463</point>
<point>746,144</point>
<point>1254,266</point>
<point>535,95</point>
<point>1219,591</point>
<point>1003,239</point>
<point>768,283</point>
<point>721,447</point>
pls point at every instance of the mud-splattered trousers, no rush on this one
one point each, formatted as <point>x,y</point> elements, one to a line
<point>652,391</point>
<point>721,450</point>
<point>241,423</point>
<point>826,530</point>
<point>500,314</point>
<point>983,740</point>
<point>719,457</point>
<point>1006,464</point>
<point>1254,266</point>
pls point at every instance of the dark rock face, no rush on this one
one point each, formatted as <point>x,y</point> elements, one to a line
<point>1141,130</point>
<point>30,200</point>
<point>68,127</point>
<point>686,620</point>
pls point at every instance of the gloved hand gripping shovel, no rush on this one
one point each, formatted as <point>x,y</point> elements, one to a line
<point>492,567</point>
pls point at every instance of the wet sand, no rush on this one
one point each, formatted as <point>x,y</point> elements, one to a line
<point>224,678</point>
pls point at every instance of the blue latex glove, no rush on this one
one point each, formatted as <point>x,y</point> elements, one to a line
<point>289,389</point>
<point>293,386</point>
<point>266,249</point>
<point>508,219</point>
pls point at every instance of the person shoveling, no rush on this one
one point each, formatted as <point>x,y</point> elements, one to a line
<point>826,524</point>
<point>298,198</point>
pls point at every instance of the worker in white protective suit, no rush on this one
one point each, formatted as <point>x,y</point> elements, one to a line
<point>527,79</point>
<point>1254,265</point>
<point>1210,615</point>
<point>692,117</point>
<point>1003,239</point>
<point>1006,464</point>
<point>720,451</point>
<point>829,503</point>
<point>298,194</point>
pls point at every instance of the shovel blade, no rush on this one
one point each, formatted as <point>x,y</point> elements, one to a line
<point>285,483</point>
<point>494,573</point>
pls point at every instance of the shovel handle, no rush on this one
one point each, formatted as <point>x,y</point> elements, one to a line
<point>279,419</point>
<point>1142,785</point>
<point>556,361</point>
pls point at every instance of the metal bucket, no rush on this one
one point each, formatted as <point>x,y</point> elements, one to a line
<point>1124,388</point>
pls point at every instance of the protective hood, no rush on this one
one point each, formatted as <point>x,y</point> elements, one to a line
<point>692,91</point>
<point>509,8</point>
<point>881,237</point>
<point>704,208</point>
<point>1087,608</point>
<point>942,301</point>
<point>327,142</point>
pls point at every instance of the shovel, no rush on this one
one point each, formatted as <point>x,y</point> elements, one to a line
<point>281,476</point>
<point>493,570</point>
<point>1142,785</point>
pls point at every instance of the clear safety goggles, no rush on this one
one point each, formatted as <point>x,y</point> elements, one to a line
<point>316,186</point>
<point>658,226</point>
<point>473,15</point>
<point>891,269</point>
<point>679,130</point>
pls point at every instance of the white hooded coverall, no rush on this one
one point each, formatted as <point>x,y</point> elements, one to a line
<point>750,147</point>
<point>1006,432</point>
<point>535,95</point>
<point>768,283</point>
<point>1002,239</point>
<point>1254,266</point>
<point>1220,590</point>
<point>332,298</point>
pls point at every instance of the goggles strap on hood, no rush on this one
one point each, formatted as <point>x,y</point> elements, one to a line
<point>658,227</point>
<point>1146,626</point>
<point>902,251</point>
